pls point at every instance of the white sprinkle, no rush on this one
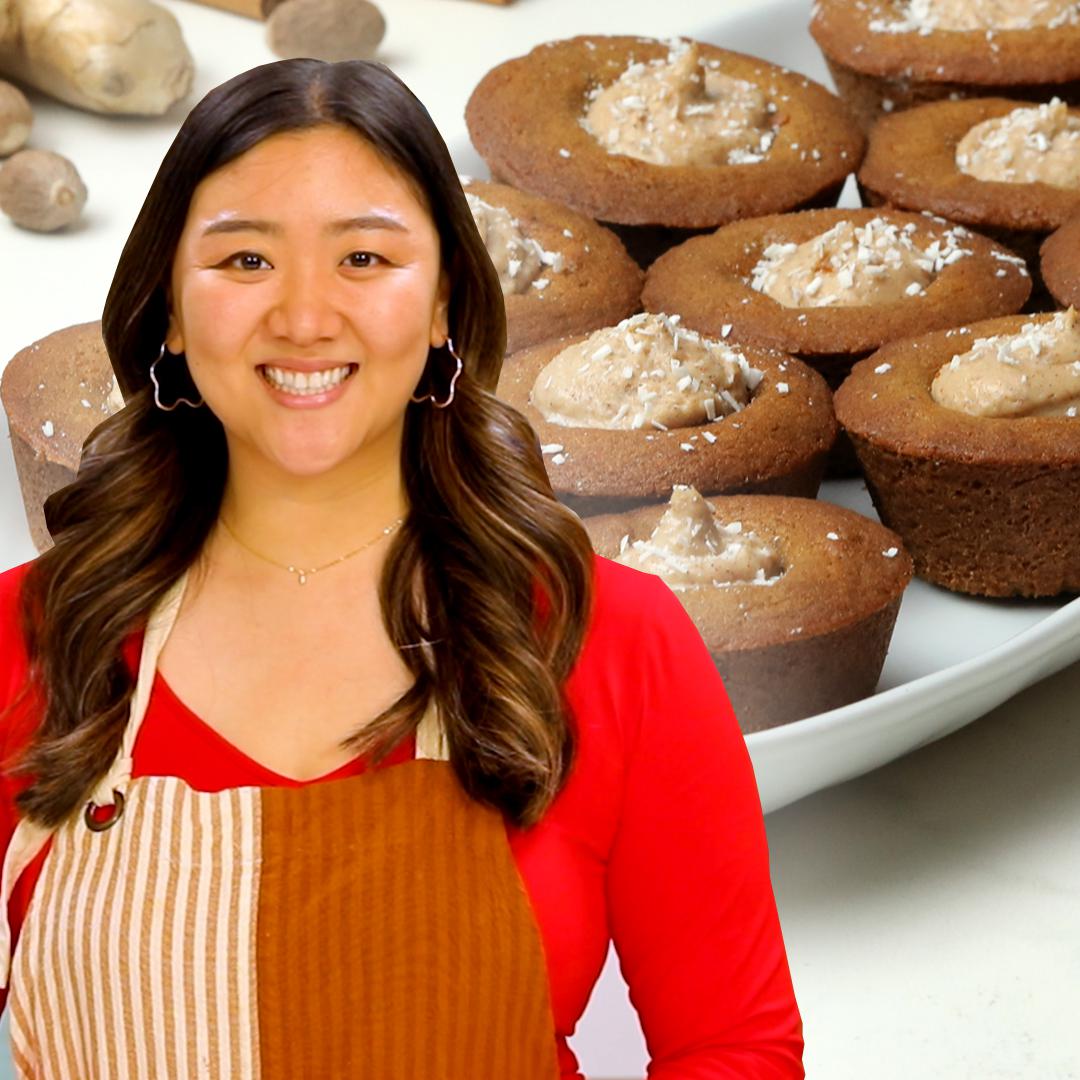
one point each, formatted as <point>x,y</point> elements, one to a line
<point>882,368</point>
<point>781,387</point>
<point>563,152</point>
<point>541,283</point>
<point>710,437</point>
<point>551,448</point>
<point>48,429</point>
<point>85,403</point>
<point>891,553</point>
<point>558,459</point>
<point>725,330</point>
<point>602,353</point>
<point>568,234</point>
<point>833,536</point>
<point>686,446</point>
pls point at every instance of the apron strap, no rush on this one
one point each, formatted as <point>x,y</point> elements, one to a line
<point>29,836</point>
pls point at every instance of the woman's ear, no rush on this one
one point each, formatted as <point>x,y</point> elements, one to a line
<point>174,337</point>
<point>440,320</point>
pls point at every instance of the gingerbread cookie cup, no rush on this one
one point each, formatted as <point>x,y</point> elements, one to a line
<point>778,443</point>
<point>1061,264</point>
<point>883,58</point>
<point>986,505</point>
<point>55,392</point>
<point>540,144</point>
<point>708,279</point>
<point>911,164</point>
<point>581,279</point>
<point>813,639</point>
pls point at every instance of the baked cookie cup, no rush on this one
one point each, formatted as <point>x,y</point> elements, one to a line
<point>985,504</point>
<point>808,634</point>
<point>561,272</point>
<point>55,392</point>
<point>1060,264</point>
<point>777,442</point>
<point>916,161</point>
<point>796,147</point>
<point>889,55</point>
<point>710,281</point>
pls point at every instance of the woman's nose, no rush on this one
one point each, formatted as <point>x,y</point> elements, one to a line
<point>305,309</point>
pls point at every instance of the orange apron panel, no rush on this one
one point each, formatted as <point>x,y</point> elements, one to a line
<point>395,937</point>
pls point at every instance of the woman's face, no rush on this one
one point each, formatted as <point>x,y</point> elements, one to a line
<point>308,259</point>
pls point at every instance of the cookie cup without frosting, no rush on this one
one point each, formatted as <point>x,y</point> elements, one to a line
<point>1060,264</point>
<point>985,505</point>
<point>906,69</point>
<point>776,444</point>
<point>650,205</point>
<point>599,285</point>
<point>911,165</point>
<point>815,639</point>
<point>43,388</point>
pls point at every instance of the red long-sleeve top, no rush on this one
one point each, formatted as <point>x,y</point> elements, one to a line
<point>655,842</point>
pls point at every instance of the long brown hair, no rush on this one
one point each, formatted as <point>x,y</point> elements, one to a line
<point>483,532</point>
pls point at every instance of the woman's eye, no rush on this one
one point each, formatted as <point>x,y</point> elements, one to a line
<point>362,259</point>
<point>247,260</point>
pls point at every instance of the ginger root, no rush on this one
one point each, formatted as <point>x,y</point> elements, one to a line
<point>107,56</point>
<point>16,118</point>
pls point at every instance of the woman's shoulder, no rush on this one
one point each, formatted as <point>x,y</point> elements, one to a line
<point>635,619</point>
<point>628,600</point>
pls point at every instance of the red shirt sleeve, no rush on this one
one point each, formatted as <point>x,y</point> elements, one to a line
<point>16,726</point>
<point>691,906</point>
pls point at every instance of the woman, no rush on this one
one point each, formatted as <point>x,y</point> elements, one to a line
<point>335,750</point>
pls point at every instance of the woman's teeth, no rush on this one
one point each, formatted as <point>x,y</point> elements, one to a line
<point>305,384</point>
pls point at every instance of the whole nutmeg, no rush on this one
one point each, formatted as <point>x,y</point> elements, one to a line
<point>41,190</point>
<point>15,118</point>
<point>325,29</point>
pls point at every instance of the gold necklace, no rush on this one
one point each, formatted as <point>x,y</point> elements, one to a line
<point>301,573</point>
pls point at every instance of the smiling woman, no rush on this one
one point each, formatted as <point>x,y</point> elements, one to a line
<point>325,306</point>
<point>332,749</point>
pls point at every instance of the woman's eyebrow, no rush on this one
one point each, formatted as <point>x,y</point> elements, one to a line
<point>272,228</point>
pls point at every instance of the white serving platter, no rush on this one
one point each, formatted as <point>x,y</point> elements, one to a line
<point>952,657</point>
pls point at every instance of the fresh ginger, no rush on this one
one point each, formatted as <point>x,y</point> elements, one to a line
<point>108,56</point>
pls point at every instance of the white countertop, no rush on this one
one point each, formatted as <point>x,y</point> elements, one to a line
<point>930,907</point>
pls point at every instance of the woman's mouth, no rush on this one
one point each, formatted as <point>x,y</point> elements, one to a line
<point>306,384</point>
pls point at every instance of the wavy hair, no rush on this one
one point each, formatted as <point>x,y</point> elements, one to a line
<point>489,568</point>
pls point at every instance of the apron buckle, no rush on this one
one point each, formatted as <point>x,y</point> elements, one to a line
<point>95,822</point>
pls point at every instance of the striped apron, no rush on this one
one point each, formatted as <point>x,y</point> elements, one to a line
<point>373,926</point>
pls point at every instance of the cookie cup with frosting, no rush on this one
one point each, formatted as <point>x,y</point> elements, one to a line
<point>792,644</point>
<point>561,272</point>
<point>916,161</point>
<point>884,57</point>
<point>776,443</point>
<point>986,504</point>
<point>801,153</point>
<point>709,279</point>
<point>55,392</point>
